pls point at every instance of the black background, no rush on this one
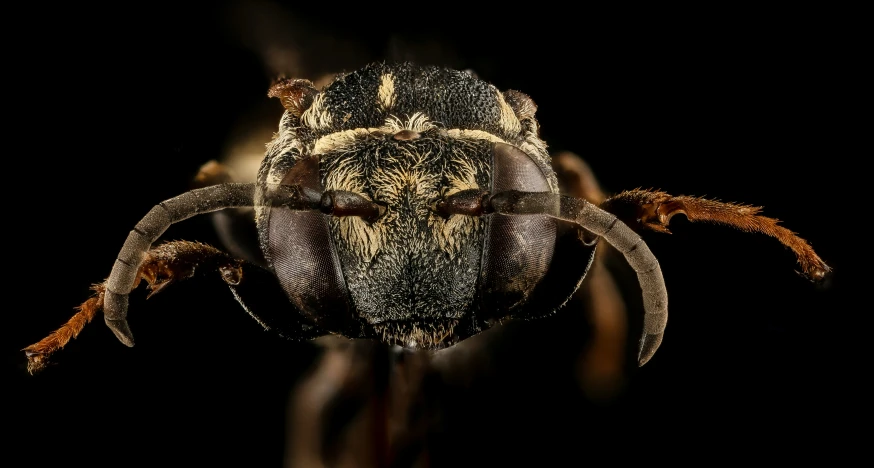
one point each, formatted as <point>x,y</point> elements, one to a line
<point>111,111</point>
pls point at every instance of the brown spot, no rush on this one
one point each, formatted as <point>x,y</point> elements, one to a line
<point>521,103</point>
<point>344,203</point>
<point>296,95</point>
<point>231,274</point>
<point>466,202</point>
<point>406,135</point>
<point>212,173</point>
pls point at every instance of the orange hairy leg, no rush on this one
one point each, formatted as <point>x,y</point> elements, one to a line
<point>38,353</point>
<point>164,265</point>
<point>653,210</point>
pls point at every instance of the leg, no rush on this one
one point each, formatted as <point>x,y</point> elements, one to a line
<point>653,210</point>
<point>601,367</point>
<point>365,404</point>
<point>576,178</point>
<point>602,363</point>
<point>125,272</point>
<point>177,261</point>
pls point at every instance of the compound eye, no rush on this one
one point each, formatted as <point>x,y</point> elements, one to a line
<point>304,258</point>
<point>519,248</point>
<point>515,170</point>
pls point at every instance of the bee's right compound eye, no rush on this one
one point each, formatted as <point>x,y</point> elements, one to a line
<point>301,252</point>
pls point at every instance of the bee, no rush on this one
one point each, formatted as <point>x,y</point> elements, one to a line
<point>415,207</point>
<point>412,205</point>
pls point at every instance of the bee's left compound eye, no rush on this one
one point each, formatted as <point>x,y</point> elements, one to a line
<point>519,249</point>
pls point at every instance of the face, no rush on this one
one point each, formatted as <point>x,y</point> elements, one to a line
<point>412,266</point>
<point>406,138</point>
